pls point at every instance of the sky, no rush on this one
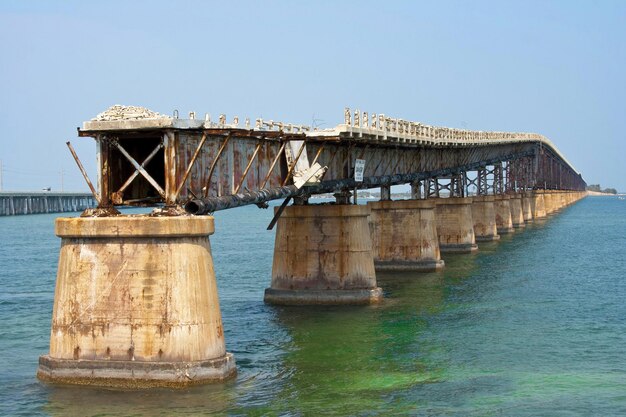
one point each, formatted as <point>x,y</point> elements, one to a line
<point>553,67</point>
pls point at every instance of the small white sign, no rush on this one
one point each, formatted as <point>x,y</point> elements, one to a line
<point>359,169</point>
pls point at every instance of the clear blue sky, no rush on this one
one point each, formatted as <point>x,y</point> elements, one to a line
<point>553,67</point>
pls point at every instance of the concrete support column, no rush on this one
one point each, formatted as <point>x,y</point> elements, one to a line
<point>549,202</point>
<point>455,228</point>
<point>404,235</point>
<point>562,199</point>
<point>484,217</point>
<point>323,255</point>
<point>517,214</point>
<point>504,220</point>
<point>527,206</point>
<point>537,204</point>
<point>136,304</point>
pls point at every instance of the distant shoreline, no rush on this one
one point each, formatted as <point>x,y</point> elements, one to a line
<point>600,194</point>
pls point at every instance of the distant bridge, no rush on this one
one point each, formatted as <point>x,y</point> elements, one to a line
<point>14,203</point>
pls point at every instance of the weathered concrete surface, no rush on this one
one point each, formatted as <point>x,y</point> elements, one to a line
<point>527,206</point>
<point>484,217</point>
<point>136,304</point>
<point>517,213</point>
<point>404,235</point>
<point>549,202</point>
<point>455,227</point>
<point>537,204</point>
<point>323,255</point>
<point>504,219</point>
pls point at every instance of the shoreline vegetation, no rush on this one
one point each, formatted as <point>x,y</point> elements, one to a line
<point>596,189</point>
<point>603,193</point>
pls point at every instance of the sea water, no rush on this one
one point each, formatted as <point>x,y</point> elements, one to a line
<point>532,325</point>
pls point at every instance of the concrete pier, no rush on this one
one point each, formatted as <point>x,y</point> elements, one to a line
<point>323,255</point>
<point>527,206</point>
<point>563,199</point>
<point>504,219</point>
<point>549,202</point>
<point>537,204</point>
<point>484,218</point>
<point>404,235</point>
<point>517,214</point>
<point>136,304</point>
<point>455,227</point>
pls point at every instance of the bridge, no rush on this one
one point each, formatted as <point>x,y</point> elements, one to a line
<point>136,301</point>
<point>38,202</point>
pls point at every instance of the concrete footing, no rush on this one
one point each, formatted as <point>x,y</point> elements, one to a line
<point>504,220</point>
<point>404,235</point>
<point>455,228</point>
<point>133,374</point>
<point>323,255</point>
<point>484,218</point>
<point>136,304</point>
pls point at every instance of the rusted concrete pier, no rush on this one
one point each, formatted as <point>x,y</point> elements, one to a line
<point>455,227</point>
<point>549,202</point>
<point>323,255</point>
<point>136,302</point>
<point>527,205</point>
<point>504,220</point>
<point>404,235</point>
<point>484,218</point>
<point>538,205</point>
<point>517,212</point>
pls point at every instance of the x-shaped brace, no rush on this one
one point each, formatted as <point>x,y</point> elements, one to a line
<point>140,169</point>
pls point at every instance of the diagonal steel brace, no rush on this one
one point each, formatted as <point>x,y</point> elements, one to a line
<point>140,169</point>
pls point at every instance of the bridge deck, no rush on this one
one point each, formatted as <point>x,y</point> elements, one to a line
<point>171,160</point>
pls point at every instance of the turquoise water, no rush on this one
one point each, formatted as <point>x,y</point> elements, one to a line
<point>533,325</point>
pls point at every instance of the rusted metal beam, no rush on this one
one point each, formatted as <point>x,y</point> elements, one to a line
<point>213,164</point>
<point>82,170</point>
<point>245,172</point>
<point>188,171</point>
<point>143,164</point>
<point>212,204</point>
<point>317,155</point>
<point>141,170</point>
<point>271,168</point>
<point>278,213</point>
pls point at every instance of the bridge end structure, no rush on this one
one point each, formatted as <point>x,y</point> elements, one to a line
<point>136,304</point>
